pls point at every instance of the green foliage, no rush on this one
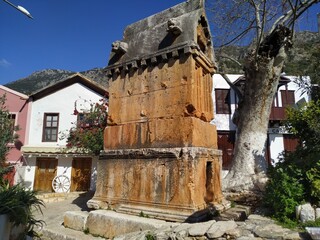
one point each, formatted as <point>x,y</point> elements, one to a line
<point>284,191</point>
<point>304,122</point>
<point>87,135</point>
<point>142,214</point>
<point>86,231</point>
<point>19,204</point>
<point>313,176</point>
<point>315,223</point>
<point>15,201</point>
<point>150,236</point>
<point>6,130</point>
<point>296,178</point>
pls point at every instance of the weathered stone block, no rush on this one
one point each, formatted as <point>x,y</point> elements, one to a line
<point>75,220</point>
<point>219,228</point>
<point>168,90</point>
<point>269,231</point>
<point>109,223</point>
<point>199,229</point>
<point>307,213</point>
<point>182,227</point>
<point>161,133</point>
<point>314,232</point>
<point>317,213</point>
<point>182,180</point>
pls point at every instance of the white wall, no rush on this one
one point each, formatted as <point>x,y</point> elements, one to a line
<point>276,146</point>
<point>62,102</point>
<point>27,172</point>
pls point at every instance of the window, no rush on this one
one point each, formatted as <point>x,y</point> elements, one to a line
<point>50,127</point>
<point>223,101</point>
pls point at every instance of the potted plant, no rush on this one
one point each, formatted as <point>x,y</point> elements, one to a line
<point>16,210</point>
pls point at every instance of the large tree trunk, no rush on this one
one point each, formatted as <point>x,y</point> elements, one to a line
<point>262,73</point>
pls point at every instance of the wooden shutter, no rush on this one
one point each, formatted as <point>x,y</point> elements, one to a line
<point>290,142</point>
<point>287,98</point>
<point>226,144</point>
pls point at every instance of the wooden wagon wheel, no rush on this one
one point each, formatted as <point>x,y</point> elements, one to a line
<point>61,183</point>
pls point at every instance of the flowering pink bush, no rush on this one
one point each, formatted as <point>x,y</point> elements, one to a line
<point>87,135</point>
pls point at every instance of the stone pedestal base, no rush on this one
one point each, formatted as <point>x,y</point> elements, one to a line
<point>165,183</point>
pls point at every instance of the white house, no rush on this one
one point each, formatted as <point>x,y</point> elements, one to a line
<point>225,102</point>
<point>51,113</point>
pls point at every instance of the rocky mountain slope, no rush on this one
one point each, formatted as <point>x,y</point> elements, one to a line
<point>302,60</point>
<point>44,78</point>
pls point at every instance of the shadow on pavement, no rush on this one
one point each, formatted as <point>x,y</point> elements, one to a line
<point>82,200</point>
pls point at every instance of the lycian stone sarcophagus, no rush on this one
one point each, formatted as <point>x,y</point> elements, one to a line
<point>160,150</point>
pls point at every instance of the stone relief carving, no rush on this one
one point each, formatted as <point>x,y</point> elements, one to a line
<point>174,26</point>
<point>119,47</point>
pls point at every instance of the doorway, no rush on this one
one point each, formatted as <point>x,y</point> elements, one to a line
<point>81,174</point>
<point>46,170</point>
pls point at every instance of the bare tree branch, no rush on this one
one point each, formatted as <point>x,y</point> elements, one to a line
<point>291,15</point>
<point>232,86</point>
<point>227,79</point>
<point>239,36</point>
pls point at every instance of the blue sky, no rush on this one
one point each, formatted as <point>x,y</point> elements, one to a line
<point>71,34</point>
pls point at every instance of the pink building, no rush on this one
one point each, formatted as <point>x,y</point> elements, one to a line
<point>17,104</point>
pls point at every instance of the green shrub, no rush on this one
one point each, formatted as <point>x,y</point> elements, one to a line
<point>19,203</point>
<point>284,192</point>
<point>296,178</point>
<point>313,176</point>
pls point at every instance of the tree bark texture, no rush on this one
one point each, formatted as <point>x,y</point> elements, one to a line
<point>262,74</point>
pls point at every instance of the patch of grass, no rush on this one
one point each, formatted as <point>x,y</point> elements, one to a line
<point>86,231</point>
<point>142,214</point>
<point>150,236</point>
<point>288,223</point>
<point>296,225</point>
<point>315,223</point>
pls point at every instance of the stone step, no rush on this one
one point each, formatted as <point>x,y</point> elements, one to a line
<point>75,220</point>
<point>237,213</point>
<point>66,234</point>
<point>95,223</point>
<point>156,213</point>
